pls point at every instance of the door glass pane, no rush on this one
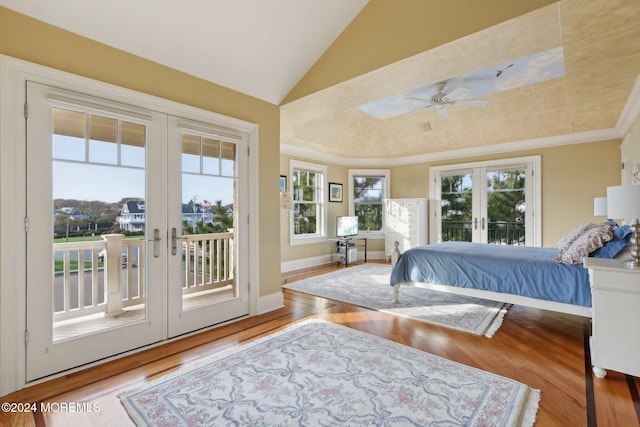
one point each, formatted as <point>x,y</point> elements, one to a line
<point>211,156</point>
<point>228,159</point>
<point>103,140</point>
<point>98,224</point>
<point>68,135</point>
<point>208,218</point>
<point>506,207</point>
<point>132,148</point>
<point>456,207</point>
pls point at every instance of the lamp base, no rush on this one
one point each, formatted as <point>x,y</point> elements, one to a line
<point>634,262</point>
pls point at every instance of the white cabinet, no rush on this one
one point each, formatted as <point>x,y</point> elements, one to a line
<point>615,328</point>
<point>406,223</point>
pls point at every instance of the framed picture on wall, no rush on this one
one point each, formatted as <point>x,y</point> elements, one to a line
<point>283,183</point>
<point>335,192</point>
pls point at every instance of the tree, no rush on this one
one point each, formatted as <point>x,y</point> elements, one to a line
<point>367,202</point>
<point>222,221</point>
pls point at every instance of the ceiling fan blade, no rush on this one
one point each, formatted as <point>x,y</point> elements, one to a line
<point>416,98</point>
<point>473,102</point>
<point>414,110</point>
<point>443,114</point>
<point>458,93</point>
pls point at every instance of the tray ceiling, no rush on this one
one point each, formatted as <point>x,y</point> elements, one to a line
<point>597,43</point>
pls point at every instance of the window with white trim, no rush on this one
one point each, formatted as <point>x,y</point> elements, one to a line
<point>308,217</point>
<point>369,188</point>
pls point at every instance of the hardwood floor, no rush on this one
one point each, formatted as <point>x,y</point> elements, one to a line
<point>543,349</point>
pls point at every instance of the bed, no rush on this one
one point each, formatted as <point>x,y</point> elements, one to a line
<point>546,278</point>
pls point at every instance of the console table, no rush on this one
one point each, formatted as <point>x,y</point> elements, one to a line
<point>615,328</point>
<point>343,245</point>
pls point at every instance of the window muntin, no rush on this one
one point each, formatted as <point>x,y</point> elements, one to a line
<point>307,194</point>
<point>204,155</point>
<point>89,138</point>
<point>305,202</point>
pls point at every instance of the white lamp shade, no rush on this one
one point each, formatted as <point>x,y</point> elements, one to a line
<point>600,206</point>
<point>623,202</point>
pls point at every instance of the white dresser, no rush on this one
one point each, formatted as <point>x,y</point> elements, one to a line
<point>615,328</point>
<point>406,223</point>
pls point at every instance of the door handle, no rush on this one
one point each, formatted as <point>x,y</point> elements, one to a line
<point>475,223</point>
<point>483,221</point>
<point>156,242</point>
<point>174,241</point>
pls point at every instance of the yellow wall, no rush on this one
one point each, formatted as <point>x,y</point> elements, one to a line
<point>31,40</point>
<point>572,175</point>
<point>335,173</point>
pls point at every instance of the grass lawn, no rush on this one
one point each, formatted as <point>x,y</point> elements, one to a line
<point>73,265</point>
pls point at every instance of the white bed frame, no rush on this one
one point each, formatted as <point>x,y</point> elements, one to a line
<point>491,295</point>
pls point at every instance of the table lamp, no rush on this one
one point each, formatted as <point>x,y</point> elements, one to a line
<point>623,202</point>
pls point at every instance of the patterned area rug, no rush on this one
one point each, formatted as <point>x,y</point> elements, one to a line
<point>367,285</point>
<point>317,373</point>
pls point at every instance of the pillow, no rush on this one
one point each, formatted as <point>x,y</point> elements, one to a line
<point>621,237</point>
<point>594,238</point>
<point>566,242</point>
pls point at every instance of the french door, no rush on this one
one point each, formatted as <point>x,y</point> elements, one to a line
<point>133,231</point>
<point>491,202</point>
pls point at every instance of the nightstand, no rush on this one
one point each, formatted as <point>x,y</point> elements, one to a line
<point>615,311</point>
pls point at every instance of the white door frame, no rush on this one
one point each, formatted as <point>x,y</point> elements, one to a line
<point>13,76</point>
<point>44,355</point>
<point>532,189</point>
<point>182,321</point>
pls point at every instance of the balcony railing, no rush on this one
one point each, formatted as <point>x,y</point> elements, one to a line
<point>209,262</point>
<point>498,232</point>
<point>108,276</point>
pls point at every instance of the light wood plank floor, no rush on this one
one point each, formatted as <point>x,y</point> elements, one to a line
<point>543,349</point>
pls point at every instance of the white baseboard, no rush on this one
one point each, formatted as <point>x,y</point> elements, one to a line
<point>270,302</point>
<point>299,264</point>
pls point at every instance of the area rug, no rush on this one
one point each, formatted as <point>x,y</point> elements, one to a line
<point>367,285</point>
<point>318,373</point>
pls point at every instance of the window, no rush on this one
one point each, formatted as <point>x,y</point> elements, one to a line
<point>369,188</point>
<point>489,202</point>
<point>308,218</point>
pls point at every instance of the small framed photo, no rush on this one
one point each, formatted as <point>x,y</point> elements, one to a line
<point>335,192</point>
<point>283,183</point>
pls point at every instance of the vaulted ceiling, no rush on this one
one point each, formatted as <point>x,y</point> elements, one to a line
<point>598,42</point>
<point>259,48</point>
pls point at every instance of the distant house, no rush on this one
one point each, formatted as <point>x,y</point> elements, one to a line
<point>132,216</point>
<point>195,213</point>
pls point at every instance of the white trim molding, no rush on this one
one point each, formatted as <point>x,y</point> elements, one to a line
<point>14,74</point>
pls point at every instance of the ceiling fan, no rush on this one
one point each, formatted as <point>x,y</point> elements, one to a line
<point>456,97</point>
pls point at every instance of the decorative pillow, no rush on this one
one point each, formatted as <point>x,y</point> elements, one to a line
<point>592,239</point>
<point>621,237</point>
<point>566,242</point>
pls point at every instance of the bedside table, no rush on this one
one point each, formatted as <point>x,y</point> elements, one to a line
<point>615,317</point>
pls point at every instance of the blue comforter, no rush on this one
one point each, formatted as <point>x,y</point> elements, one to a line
<point>520,270</point>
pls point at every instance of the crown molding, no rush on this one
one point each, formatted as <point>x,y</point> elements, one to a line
<point>629,113</point>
